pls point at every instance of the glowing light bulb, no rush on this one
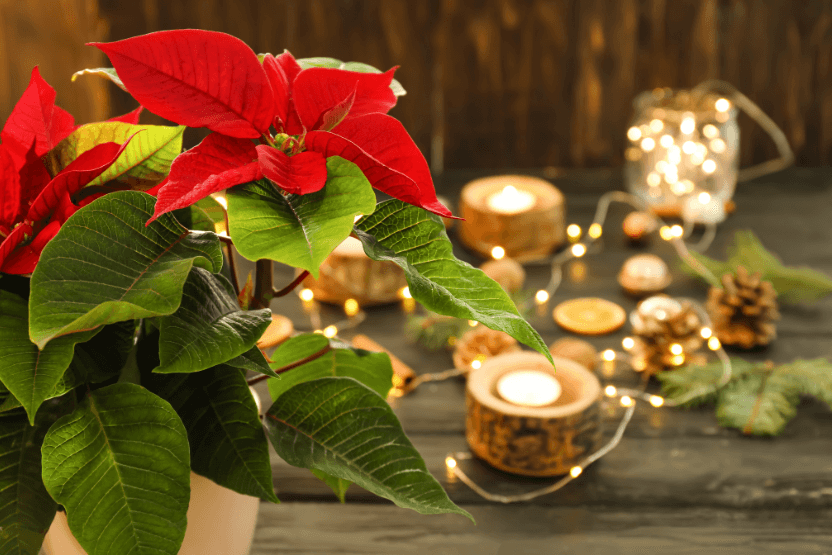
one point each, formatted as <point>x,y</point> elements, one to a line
<point>676,349</point>
<point>608,355</point>
<point>666,141</point>
<point>722,105</point>
<point>689,147</point>
<point>714,344</point>
<point>656,401</point>
<point>628,343</point>
<point>351,307</point>
<point>626,401</point>
<point>476,364</point>
<point>710,131</point>
<point>497,253</point>
<point>450,462</point>
<point>634,134</point>
<point>665,233</point>
<point>708,166</point>
<point>595,230</point>
<point>656,125</point>
<point>575,471</point>
<point>330,331</point>
<point>404,293</point>
<point>677,360</point>
<point>704,198</point>
<point>677,230</point>
<point>706,333</point>
<point>718,146</point>
<point>610,391</point>
<point>578,250</point>
<point>473,323</point>
<point>688,125</point>
<point>306,295</point>
<point>541,296</point>
<point>653,179</point>
<point>573,231</point>
<point>648,144</point>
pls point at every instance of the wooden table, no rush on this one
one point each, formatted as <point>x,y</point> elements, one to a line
<point>677,483</point>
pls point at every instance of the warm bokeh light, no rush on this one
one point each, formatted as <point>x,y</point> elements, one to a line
<point>497,253</point>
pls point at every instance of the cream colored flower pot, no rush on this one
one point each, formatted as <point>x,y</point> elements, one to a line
<point>220,522</point>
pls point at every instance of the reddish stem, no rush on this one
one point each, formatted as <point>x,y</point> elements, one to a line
<point>301,362</point>
<point>288,289</point>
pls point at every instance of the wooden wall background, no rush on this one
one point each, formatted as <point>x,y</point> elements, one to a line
<point>491,83</point>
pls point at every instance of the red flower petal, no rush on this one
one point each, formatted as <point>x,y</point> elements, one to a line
<point>24,259</point>
<point>129,117</point>
<point>389,158</point>
<point>299,174</point>
<point>218,162</point>
<point>81,171</point>
<point>17,236</point>
<point>319,89</point>
<point>9,189</point>
<point>281,71</point>
<point>36,118</point>
<point>196,78</point>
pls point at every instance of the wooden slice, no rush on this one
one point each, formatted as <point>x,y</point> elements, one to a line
<point>278,331</point>
<point>533,441</point>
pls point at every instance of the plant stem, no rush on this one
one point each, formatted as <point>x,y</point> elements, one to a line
<point>288,289</point>
<point>263,283</point>
<point>301,362</point>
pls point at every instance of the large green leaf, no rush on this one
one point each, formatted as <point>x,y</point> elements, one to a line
<point>209,328</point>
<point>416,240</point>
<point>29,374</point>
<point>104,266</point>
<point>299,230</point>
<point>26,509</point>
<point>253,360</point>
<point>147,157</point>
<point>343,428</point>
<point>793,284</point>
<point>102,357</point>
<point>339,486</point>
<point>372,369</point>
<point>224,429</point>
<point>120,466</point>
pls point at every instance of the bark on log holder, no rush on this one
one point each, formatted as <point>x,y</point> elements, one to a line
<point>523,215</point>
<point>533,440</point>
<point>348,273</point>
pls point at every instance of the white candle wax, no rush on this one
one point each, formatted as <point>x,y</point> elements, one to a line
<point>511,200</point>
<point>529,388</point>
<point>350,247</point>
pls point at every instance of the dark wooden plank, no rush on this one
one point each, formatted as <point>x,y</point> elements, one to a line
<point>313,528</point>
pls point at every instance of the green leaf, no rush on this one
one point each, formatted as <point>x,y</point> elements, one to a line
<point>343,428</point>
<point>305,63</point>
<point>148,156</point>
<point>120,466</point>
<point>102,357</point>
<point>793,285</point>
<point>253,360</point>
<point>371,369</point>
<point>29,374</point>
<point>104,266</point>
<point>299,230</point>
<point>26,509</point>
<point>702,380</point>
<point>106,72</point>
<point>759,403</point>
<point>416,240</point>
<point>205,214</point>
<point>338,486</point>
<point>227,441</point>
<point>209,328</point>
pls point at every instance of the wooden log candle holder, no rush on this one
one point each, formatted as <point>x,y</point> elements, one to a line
<point>523,215</point>
<point>533,440</point>
<point>348,273</point>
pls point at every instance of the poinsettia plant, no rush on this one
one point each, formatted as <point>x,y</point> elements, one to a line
<point>124,349</point>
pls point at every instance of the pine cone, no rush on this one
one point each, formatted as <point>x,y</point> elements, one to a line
<point>655,337</point>
<point>743,311</point>
<point>482,342</point>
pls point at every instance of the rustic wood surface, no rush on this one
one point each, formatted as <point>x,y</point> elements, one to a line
<point>677,483</point>
<point>491,83</point>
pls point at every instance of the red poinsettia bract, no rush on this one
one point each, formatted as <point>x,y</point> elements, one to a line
<point>33,204</point>
<point>210,79</point>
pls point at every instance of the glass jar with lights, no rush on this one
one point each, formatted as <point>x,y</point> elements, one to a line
<point>682,154</point>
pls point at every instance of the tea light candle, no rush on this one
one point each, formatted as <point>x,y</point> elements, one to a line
<point>529,388</point>
<point>521,214</point>
<point>527,418</point>
<point>511,200</point>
